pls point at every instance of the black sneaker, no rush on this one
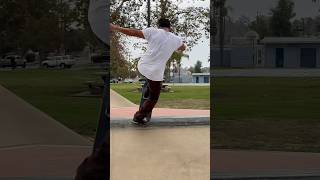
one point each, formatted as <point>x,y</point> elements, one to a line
<point>148,117</point>
<point>138,121</point>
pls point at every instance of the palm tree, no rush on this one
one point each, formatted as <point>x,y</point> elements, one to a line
<point>223,13</point>
<point>175,59</point>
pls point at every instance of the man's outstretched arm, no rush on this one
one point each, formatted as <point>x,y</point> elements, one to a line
<point>127,31</point>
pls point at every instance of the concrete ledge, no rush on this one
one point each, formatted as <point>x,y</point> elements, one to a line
<point>163,122</point>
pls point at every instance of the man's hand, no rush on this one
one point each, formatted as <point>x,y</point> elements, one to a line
<point>113,27</point>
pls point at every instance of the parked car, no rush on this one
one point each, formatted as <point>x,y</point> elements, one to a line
<point>99,58</point>
<point>142,80</point>
<point>13,61</point>
<point>114,80</point>
<point>128,81</point>
<point>58,61</point>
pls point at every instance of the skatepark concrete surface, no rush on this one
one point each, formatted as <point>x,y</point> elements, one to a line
<point>160,153</point>
<point>32,144</point>
<point>174,146</point>
<point>236,164</point>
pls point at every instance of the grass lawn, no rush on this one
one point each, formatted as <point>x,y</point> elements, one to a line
<point>267,114</point>
<point>249,113</point>
<point>51,91</point>
<point>188,97</point>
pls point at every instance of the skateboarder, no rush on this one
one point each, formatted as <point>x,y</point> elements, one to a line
<point>161,45</point>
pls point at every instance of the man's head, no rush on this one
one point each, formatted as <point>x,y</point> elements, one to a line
<point>164,23</point>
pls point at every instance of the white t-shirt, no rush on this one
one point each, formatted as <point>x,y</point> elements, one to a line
<point>161,45</point>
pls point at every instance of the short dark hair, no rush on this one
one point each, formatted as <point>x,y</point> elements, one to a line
<point>164,23</point>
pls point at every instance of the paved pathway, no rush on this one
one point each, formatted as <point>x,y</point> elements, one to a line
<point>23,124</point>
<point>32,144</point>
<point>118,101</point>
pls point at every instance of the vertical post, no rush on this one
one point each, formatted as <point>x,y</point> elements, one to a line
<point>221,30</point>
<point>180,73</point>
<point>149,13</point>
<point>103,125</point>
<point>61,27</point>
<point>253,53</point>
<point>303,27</point>
<point>173,69</point>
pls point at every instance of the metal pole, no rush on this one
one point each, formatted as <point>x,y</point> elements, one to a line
<point>103,124</point>
<point>221,30</point>
<point>149,13</point>
<point>253,53</point>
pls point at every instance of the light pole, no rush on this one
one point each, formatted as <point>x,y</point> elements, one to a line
<point>173,71</point>
<point>149,12</point>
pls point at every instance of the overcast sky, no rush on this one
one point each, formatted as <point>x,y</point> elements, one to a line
<point>199,52</point>
<point>249,8</point>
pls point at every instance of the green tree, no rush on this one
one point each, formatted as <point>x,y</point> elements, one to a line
<point>186,22</point>
<point>219,13</point>
<point>198,67</point>
<point>45,26</point>
<point>281,18</point>
<point>261,25</point>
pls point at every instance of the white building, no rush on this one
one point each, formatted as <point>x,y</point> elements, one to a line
<point>200,77</point>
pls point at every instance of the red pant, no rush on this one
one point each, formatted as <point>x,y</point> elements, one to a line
<point>150,95</point>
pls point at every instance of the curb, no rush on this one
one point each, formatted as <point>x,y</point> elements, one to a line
<point>275,175</point>
<point>163,122</point>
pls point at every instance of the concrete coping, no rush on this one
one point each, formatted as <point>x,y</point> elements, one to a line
<point>163,122</point>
